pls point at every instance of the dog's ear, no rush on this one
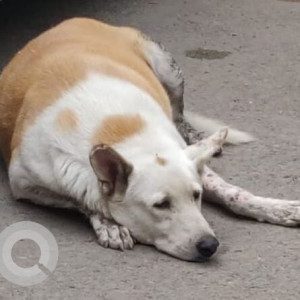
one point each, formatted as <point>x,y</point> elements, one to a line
<point>202,151</point>
<point>111,169</point>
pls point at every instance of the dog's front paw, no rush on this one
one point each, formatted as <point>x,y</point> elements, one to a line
<point>280,212</point>
<point>288,213</point>
<point>112,235</point>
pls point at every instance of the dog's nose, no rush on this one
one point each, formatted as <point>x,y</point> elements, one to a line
<point>207,246</point>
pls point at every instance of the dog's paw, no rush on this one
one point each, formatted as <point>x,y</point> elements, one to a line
<point>290,213</point>
<point>285,213</point>
<point>213,145</point>
<point>112,235</point>
<point>219,137</point>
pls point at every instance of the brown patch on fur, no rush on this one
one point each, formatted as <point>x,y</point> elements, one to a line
<point>66,120</point>
<point>117,128</point>
<point>161,161</point>
<point>57,60</point>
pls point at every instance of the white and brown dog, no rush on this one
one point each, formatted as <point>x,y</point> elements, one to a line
<point>87,120</point>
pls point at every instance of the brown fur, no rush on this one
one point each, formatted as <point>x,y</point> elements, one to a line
<point>59,58</point>
<point>67,121</point>
<point>161,161</point>
<point>117,128</point>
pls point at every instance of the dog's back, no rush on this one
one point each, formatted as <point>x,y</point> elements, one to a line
<point>77,86</point>
<point>57,60</point>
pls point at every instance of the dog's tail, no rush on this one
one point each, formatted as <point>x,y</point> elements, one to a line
<point>209,126</point>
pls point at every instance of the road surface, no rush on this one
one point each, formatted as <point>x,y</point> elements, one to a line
<point>250,79</point>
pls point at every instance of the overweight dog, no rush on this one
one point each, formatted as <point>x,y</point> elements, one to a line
<point>91,117</point>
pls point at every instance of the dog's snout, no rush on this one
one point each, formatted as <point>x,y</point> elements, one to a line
<point>207,246</point>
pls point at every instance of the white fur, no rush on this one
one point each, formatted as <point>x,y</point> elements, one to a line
<point>164,66</point>
<point>58,162</point>
<point>275,211</point>
<point>209,126</point>
<point>53,168</point>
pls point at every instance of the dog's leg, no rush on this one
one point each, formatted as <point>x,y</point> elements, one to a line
<point>111,234</point>
<point>23,189</point>
<point>208,147</point>
<point>275,211</point>
<point>170,75</point>
<point>192,127</point>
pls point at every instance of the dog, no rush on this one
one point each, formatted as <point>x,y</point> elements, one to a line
<point>92,118</point>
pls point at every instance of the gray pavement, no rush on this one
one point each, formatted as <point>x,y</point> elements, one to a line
<point>256,87</point>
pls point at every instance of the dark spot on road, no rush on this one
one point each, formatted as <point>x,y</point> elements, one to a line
<point>201,53</point>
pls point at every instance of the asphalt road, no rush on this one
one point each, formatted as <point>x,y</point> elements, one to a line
<point>251,80</point>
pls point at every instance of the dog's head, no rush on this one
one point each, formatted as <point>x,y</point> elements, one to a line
<point>159,198</point>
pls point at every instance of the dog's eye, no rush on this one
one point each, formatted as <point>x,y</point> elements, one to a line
<point>164,204</point>
<point>196,195</point>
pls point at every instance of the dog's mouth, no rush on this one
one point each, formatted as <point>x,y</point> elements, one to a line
<point>195,259</point>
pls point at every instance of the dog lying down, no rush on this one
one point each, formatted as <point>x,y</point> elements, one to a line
<point>88,116</point>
